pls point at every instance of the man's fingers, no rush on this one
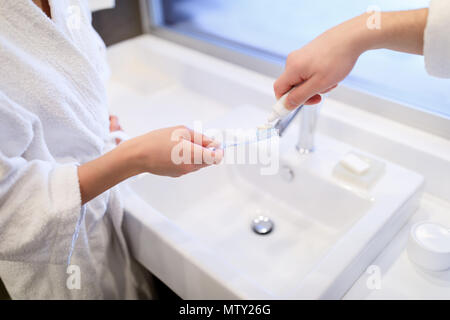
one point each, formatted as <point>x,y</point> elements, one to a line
<point>313,100</point>
<point>303,93</point>
<point>329,89</point>
<point>285,83</point>
<point>316,99</point>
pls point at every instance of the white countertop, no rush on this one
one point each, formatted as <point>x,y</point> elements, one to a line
<point>400,279</point>
<point>134,94</point>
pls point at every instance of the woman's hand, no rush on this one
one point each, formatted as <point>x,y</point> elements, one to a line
<point>173,151</point>
<point>114,125</point>
<point>169,152</point>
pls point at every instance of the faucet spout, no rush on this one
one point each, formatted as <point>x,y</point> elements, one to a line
<point>308,123</point>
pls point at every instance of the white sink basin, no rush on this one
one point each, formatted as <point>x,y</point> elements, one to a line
<point>195,232</point>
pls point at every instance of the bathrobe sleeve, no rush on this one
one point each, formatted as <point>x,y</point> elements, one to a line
<point>437,39</point>
<point>40,201</point>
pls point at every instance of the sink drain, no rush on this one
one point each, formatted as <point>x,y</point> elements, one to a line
<point>262,225</point>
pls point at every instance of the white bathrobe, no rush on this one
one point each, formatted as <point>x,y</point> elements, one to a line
<point>437,39</point>
<point>54,117</point>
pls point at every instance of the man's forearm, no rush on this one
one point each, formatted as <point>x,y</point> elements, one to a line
<point>400,31</point>
<point>324,62</point>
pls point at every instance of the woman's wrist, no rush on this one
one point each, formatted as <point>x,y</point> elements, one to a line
<point>103,173</point>
<point>129,158</point>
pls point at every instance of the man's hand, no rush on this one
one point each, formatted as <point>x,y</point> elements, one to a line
<point>323,63</point>
<point>316,68</point>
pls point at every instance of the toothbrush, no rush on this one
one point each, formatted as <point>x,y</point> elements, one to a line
<point>267,130</point>
<point>279,113</point>
<point>259,138</point>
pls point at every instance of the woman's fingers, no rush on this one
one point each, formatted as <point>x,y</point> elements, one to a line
<point>202,140</point>
<point>114,123</point>
<point>193,157</point>
<point>114,126</point>
<point>203,156</point>
<point>183,132</point>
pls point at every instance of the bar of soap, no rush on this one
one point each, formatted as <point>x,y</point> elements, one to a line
<point>357,170</point>
<point>355,164</point>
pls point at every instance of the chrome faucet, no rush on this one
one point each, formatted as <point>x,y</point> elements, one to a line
<point>308,120</point>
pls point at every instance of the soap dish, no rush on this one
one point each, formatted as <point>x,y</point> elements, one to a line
<point>429,246</point>
<point>358,170</point>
